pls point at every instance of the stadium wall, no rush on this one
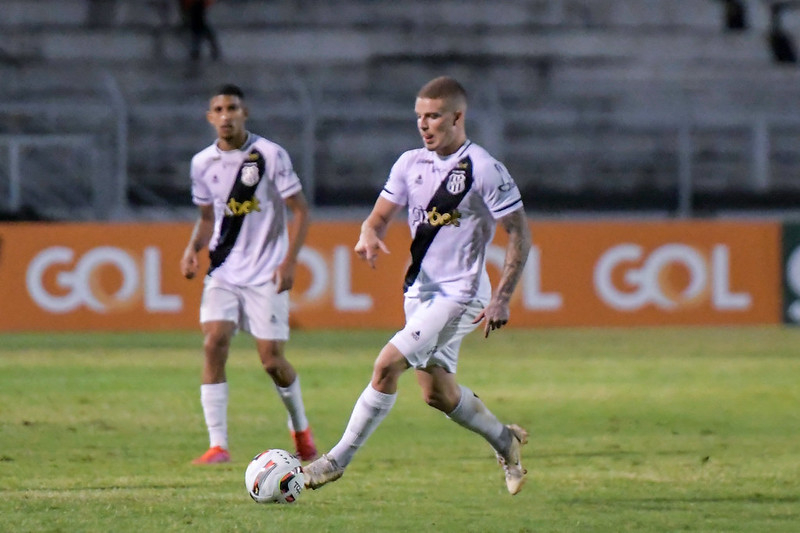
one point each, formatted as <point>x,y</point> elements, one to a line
<point>125,277</point>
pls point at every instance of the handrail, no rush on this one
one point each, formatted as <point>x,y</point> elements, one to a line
<point>15,143</point>
<point>493,122</point>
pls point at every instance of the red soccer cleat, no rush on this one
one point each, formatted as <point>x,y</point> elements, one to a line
<point>217,454</point>
<point>304,444</point>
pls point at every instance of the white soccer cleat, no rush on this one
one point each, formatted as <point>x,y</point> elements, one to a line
<point>323,470</point>
<point>511,461</point>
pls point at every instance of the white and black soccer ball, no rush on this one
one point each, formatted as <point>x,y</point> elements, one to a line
<point>274,476</point>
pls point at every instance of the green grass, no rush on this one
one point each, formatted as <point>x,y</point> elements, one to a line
<point>645,430</point>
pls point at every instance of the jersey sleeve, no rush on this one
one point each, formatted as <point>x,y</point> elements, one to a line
<point>285,177</point>
<point>201,194</point>
<point>396,187</point>
<point>498,189</point>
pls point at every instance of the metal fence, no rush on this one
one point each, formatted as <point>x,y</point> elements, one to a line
<point>85,175</point>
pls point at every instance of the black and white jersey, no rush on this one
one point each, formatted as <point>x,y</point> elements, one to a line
<point>453,205</point>
<point>247,188</point>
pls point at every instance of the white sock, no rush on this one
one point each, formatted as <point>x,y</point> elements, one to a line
<point>472,414</point>
<point>293,400</point>
<point>214,399</point>
<point>370,410</point>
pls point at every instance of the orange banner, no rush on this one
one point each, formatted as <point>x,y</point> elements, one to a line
<point>95,277</point>
<point>651,273</point>
<point>60,277</point>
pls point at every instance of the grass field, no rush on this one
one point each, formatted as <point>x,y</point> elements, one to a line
<point>646,430</point>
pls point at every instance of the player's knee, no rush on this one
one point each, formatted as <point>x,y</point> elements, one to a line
<point>272,360</point>
<point>385,376</point>
<point>382,374</point>
<point>272,366</point>
<point>270,353</point>
<point>216,344</point>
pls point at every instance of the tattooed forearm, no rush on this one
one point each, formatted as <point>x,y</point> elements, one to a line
<point>519,244</point>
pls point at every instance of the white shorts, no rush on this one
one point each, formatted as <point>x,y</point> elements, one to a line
<point>434,330</point>
<point>257,309</point>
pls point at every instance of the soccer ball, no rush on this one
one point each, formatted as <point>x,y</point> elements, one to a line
<point>274,476</point>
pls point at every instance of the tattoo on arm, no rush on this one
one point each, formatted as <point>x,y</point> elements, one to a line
<point>519,244</point>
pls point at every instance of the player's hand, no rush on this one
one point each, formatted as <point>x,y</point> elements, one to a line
<point>495,314</point>
<point>367,248</point>
<point>284,277</point>
<point>189,263</point>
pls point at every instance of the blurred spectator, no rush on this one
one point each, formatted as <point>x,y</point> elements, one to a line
<point>780,42</point>
<point>735,15</point>
<point>194,14</point>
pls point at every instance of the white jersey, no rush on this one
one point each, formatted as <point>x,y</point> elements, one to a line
<point>453,205</point>
<point>247,188</point>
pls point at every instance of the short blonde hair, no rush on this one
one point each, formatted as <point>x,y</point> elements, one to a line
<point>445,88</point>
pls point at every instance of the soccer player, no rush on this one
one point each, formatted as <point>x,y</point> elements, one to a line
<point>455,194</point>
<point>242,185</point>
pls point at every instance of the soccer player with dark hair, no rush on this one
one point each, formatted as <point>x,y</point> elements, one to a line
<point>243,185</point>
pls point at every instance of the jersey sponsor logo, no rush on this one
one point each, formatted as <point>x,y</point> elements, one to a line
<point>250,173</point>
<point>508,181</point>
<point>435,218</point>
<point>235,208</point>
<point>419,216</point>
<point>456,181</point>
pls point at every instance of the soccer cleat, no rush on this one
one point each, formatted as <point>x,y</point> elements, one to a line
<point>511,461</point>
<point>216,454</point>
<point>304,444</point>
<point>322,471</point>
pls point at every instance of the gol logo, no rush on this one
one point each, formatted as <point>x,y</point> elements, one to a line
<point>81,285</point>
<point>649,277</point>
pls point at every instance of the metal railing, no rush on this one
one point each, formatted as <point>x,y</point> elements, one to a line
<point>489,125</point>
<point>22,150</point>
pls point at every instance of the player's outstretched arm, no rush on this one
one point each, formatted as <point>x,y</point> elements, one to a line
<point>497,312</point>
<point>373,231</point>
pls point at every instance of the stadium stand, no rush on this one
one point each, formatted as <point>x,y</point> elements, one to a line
<point>601,106</point>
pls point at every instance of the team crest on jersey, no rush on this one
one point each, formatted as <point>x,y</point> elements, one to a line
<point>456,182</point>
<point>250,174</point>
